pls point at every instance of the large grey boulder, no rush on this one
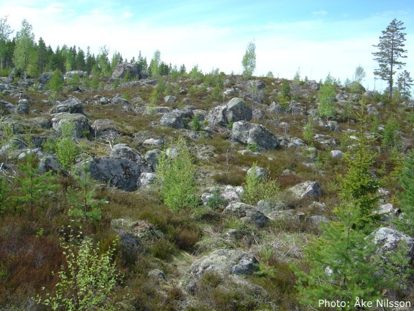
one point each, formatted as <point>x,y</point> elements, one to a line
<point>260,172</point>
<point>296,108</point>
<point>22,108</point>
<point>247,213</point>
<point>234,110</point>
<point>151,157</point>
<point>71,105</point>
<point>356,87</point>
<point>105,128</point>
<point>125,152</point>
<point>146,179</point>
<point>388,240</point>
<point>170,99</point>
<point>307,189</point>
<point>256,84</point>
<point>275,108</point>
<point>225,262</point>
<point>48,163</point>
<point>44,78</point>
<point>41,122</point>
<point>72,73</point>
<point>118,100</point>
<point>237,110</point>
<point>133,233</point>
<point>254,134</point>
<point>79,122</point>
<point>175,119</point>
<point>121,70</point>
<point>120,173</point>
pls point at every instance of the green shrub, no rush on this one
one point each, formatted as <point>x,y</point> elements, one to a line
<point>195,122</point>
<point>83,200</point>
<point>56,82</point>
<point>87,281</point>
<point>308,132</point>
<point>4,197</point>
<point>66,148</point>
<point>256,189</point>
<point>177,178</point>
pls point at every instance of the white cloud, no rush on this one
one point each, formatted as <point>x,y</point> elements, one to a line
<point>127,15</point>
<point>319,13</point>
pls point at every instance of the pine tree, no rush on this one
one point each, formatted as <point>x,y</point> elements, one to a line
<point>404,83</point>
<point>390,52</point>
<point>32,188</point>
<point>83,199</point>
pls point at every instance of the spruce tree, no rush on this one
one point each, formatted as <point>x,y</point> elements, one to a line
<point>358,184</point>
<point>405,222</point>
<point>4,189</point>
<point>342,265</point>
<point>176,177</point>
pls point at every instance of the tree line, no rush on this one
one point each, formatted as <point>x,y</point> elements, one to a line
<point>35,57</point>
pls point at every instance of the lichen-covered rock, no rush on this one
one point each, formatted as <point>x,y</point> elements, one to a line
<point>71,105</point>
<point>247,213</point>
<point>105,128</point>
<point>170,99</point>
<point>22,109</point>
<point>133,233</point>
<point>121,70</point>
<point>225,262</point>
<point>126,152</point>
<point>388,240</point>
<point>254,134</point>
<point>260,172</point>
<point>41,122</point>
<point>234,110</point>
<point>337,154</point>
<point>175,119</point>
<point>118,100</point>
<point>44,78</point>
<point>120,173</point>
<point>79,121</point>
<point>146,179</point>
<point>306,189</point>
<point>48,163</point>
<point>151,157</point>
<point>275,109</point>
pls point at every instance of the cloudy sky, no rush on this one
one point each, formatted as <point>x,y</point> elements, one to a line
<point>319,37</point>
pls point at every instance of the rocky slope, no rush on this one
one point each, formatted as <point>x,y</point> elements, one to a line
<point>224,254</point>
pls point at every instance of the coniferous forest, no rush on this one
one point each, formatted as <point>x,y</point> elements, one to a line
<point>141,185</point>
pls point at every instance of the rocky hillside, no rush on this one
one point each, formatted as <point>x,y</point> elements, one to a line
<point>230,250</point>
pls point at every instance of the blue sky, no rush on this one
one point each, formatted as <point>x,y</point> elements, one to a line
<point>319,37</point>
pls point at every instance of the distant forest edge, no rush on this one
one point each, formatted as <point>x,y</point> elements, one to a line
<point>32,59</point>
